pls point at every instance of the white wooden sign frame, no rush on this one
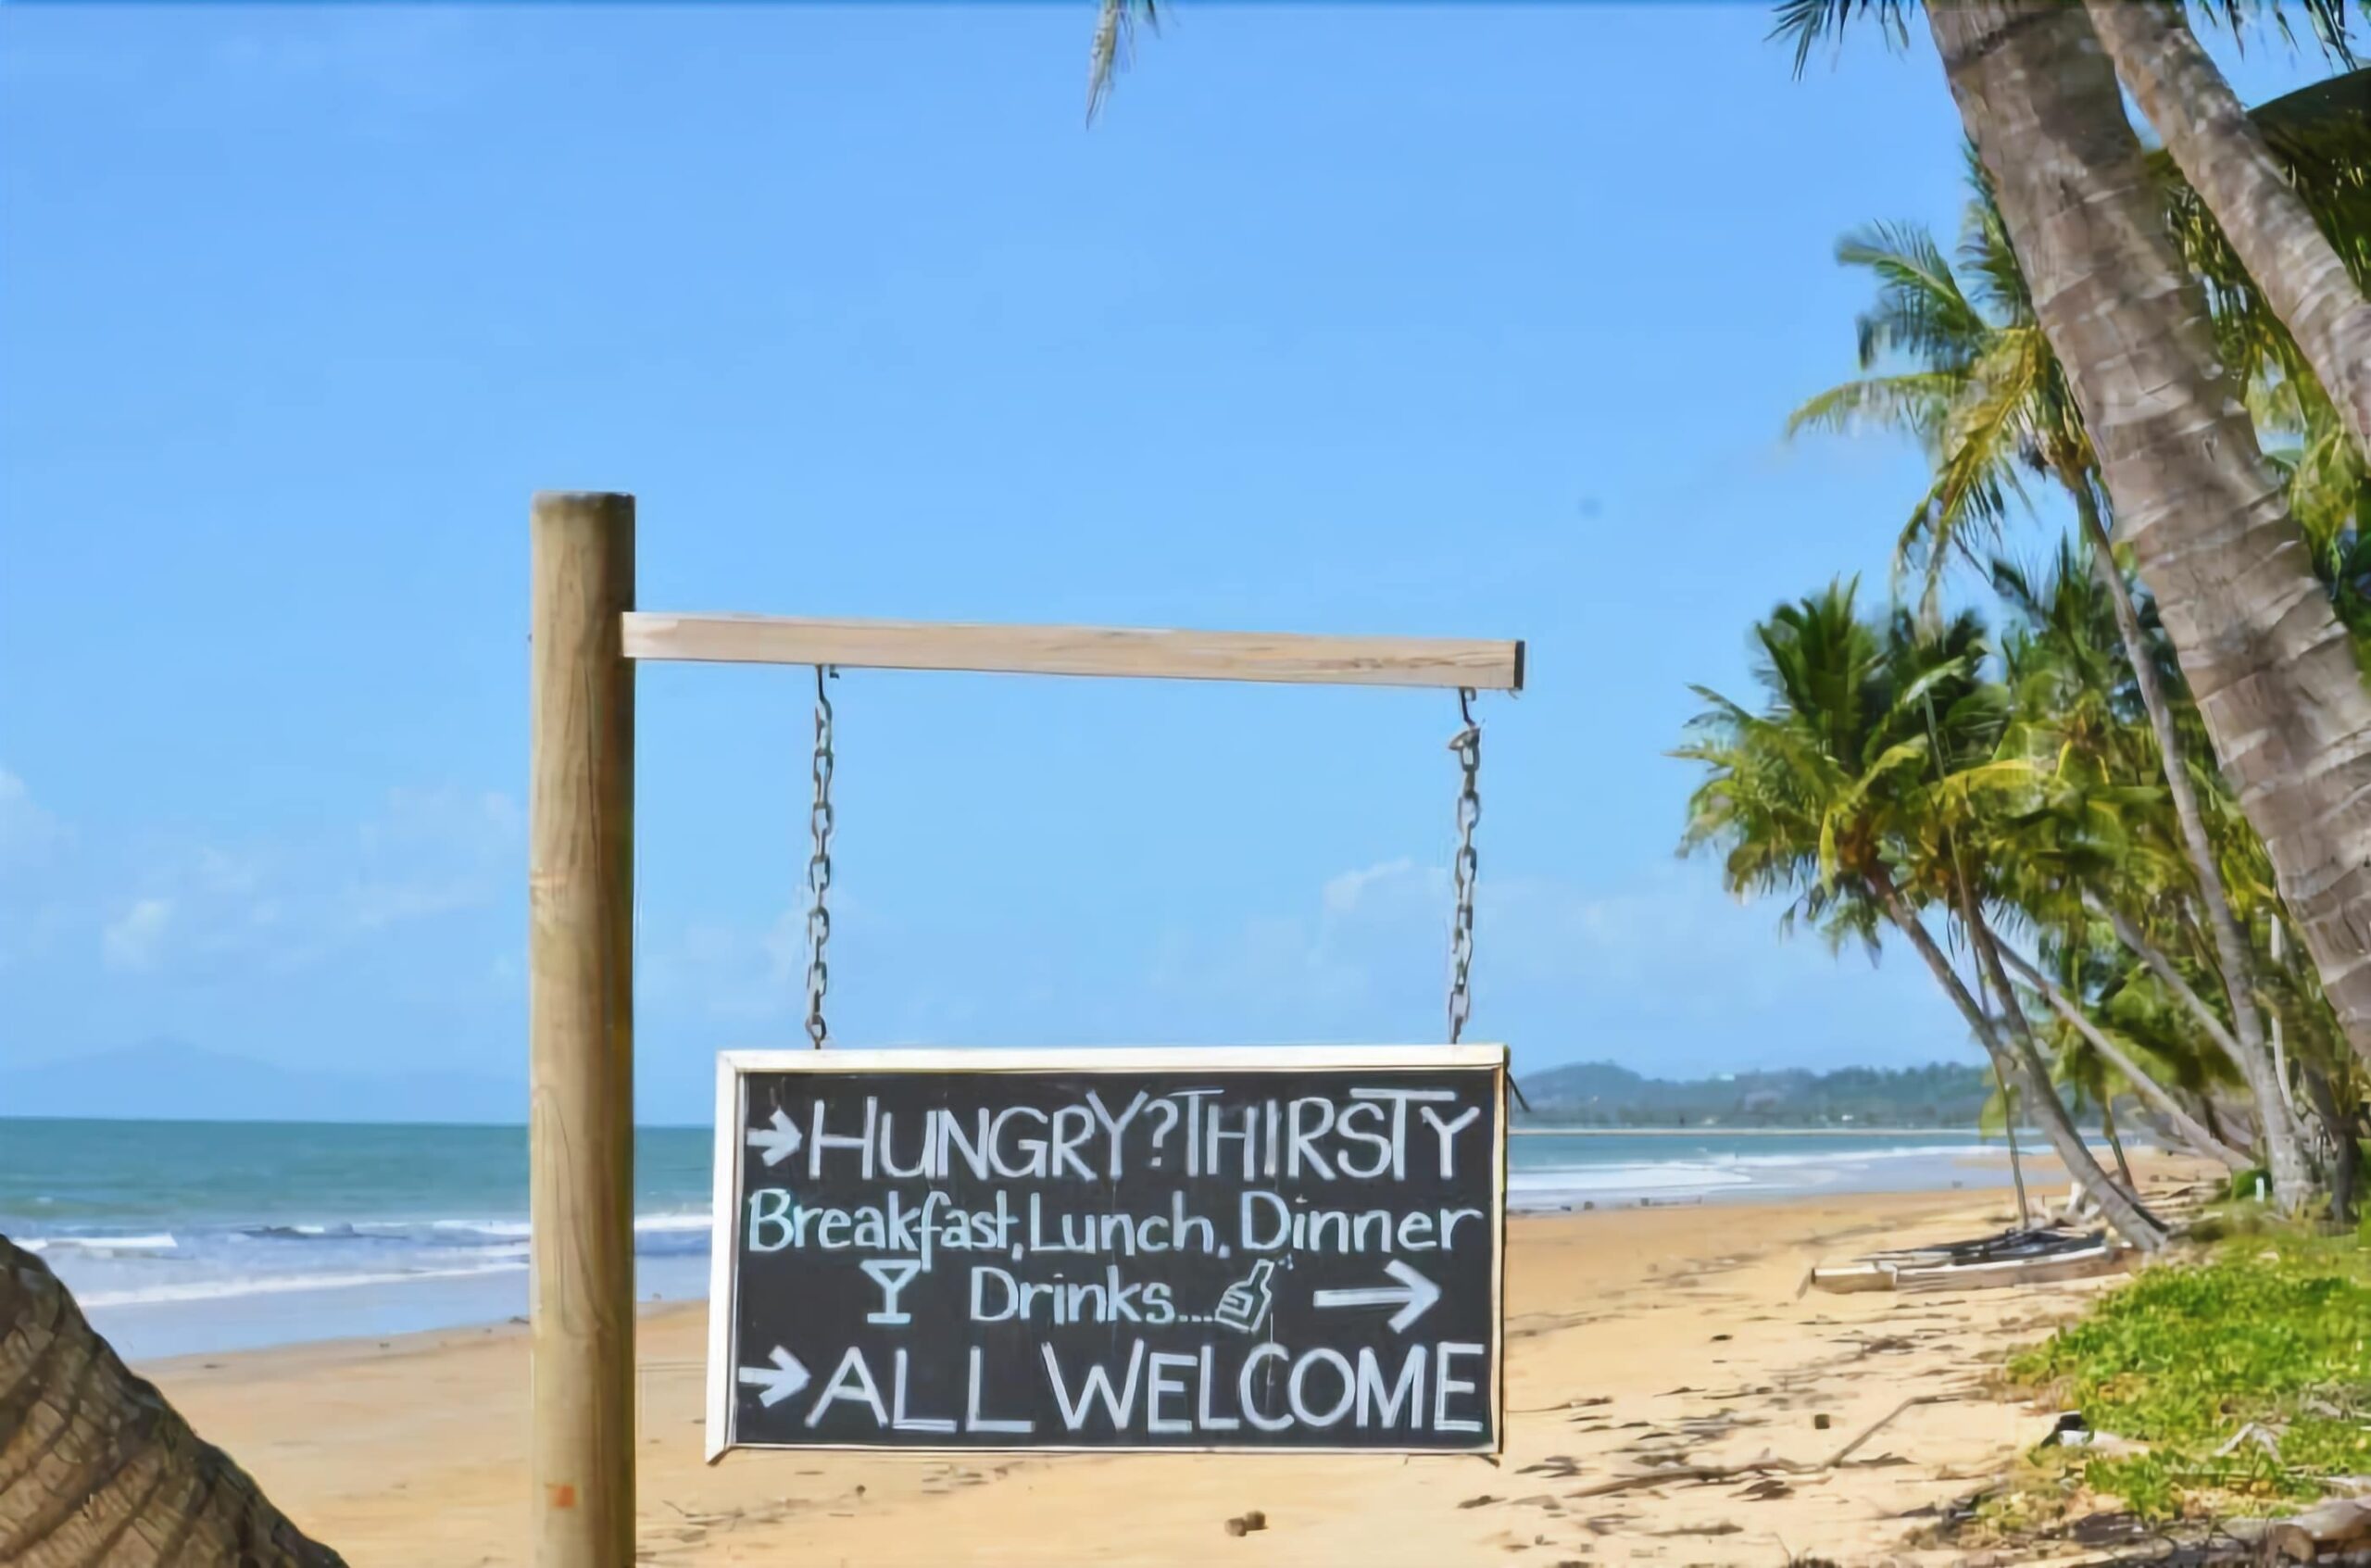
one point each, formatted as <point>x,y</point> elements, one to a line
<point>724,1228</point>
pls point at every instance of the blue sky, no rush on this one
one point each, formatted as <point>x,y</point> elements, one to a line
<point>1394,319</point>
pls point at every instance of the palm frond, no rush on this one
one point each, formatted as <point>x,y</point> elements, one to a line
<point>1808,23</point>
<point>1985,250</point>
<point>1913,401</point>
<point>1920,311</point>
<point>1115,45</point>
<point>2327,19</point>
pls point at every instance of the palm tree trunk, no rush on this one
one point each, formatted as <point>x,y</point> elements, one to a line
<point>2284,1140</point>
<point>2122,1212</point>
<point>2272,1021</point>
<point>2208,1119</point>
<point>2107,1125</point>
<point>2231,950</point>
<point>2028,1051</point>
<point>2284,1137</point>
<point>2223,156</point>
<point>2272,669</point>
<point>2346,1151</point>
<point>2009,1131</point>
<point>96,1470</point>
<point>2187,1126</point>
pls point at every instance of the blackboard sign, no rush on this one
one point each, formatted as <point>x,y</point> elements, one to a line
<point>1189,1249</point>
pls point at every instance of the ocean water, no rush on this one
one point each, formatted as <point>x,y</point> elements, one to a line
<point>191,1237</point>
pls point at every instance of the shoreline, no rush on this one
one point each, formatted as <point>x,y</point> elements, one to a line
<point>661,1308</point>
<point>214,1290</point>
<point>1982,1137</point>
<point>1633,1337</point>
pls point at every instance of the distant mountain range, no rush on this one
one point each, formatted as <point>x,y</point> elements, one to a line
<point>166,1081</point>
<point>169,1081</point>
<point>1598,1094</point>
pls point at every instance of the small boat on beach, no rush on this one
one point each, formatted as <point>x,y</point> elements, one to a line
<point>2032,1255</point>
<point>2063,1249</point>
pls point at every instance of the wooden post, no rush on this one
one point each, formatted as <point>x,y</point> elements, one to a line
<point>579,1031</point>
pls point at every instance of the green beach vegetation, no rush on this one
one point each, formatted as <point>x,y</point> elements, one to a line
<point>2234,1383</point>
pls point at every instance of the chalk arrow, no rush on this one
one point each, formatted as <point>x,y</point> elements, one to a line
<point>1414,1296</point>
<point>779,1142</point>
<point>778,1382</point>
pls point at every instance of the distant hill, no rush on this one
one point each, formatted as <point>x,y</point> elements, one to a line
<point>167,1081</point>
<point>1598,1094</point>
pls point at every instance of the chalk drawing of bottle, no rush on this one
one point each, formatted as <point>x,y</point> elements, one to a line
<point>1244,1306</point>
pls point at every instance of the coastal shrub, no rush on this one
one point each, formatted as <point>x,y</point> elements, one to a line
<point>2268,1330</point>
<point>2248,1186</point>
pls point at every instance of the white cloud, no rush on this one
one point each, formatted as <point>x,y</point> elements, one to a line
<point>371,906</point>
<point>732,975</point>
<point>217,871</point>
<point>33,850</point>
<point>1343,894</point>
<point>432,852</point>
<point>1663,972</point>
<point>272,905</point>
<point>27,830</point>
<point>1660,970</point>
<point>131,941</point>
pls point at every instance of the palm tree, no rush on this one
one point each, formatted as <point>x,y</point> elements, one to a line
<point>2225,155</point>
<point>2212,531</point>
<point>1963,369</point>
<point>2144,1084</point>
<point>2277,682</point>
<point>1982,391</point>
<point>1821,797</point>
<point>2094,829</point>
<point>1958,844</point>
<point>2077,696</point>
<point>96,1467</point>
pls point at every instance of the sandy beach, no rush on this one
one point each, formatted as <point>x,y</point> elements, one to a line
<point>1635,1337</point>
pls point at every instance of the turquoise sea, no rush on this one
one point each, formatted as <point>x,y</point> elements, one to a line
<point>197,1235</point>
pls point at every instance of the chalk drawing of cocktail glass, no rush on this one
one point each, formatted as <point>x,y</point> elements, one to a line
<point>1243,1305</point>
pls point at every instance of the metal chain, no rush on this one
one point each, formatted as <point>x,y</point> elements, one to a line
<point>819,866</point>
<point>1467,745</point>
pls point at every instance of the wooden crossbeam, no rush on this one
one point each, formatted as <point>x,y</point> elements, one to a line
<point>1077,651</point>
<point>584,633</point>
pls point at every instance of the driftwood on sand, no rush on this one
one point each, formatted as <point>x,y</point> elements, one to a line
<point>1763,1465</point>
<point>2342,1527</point>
